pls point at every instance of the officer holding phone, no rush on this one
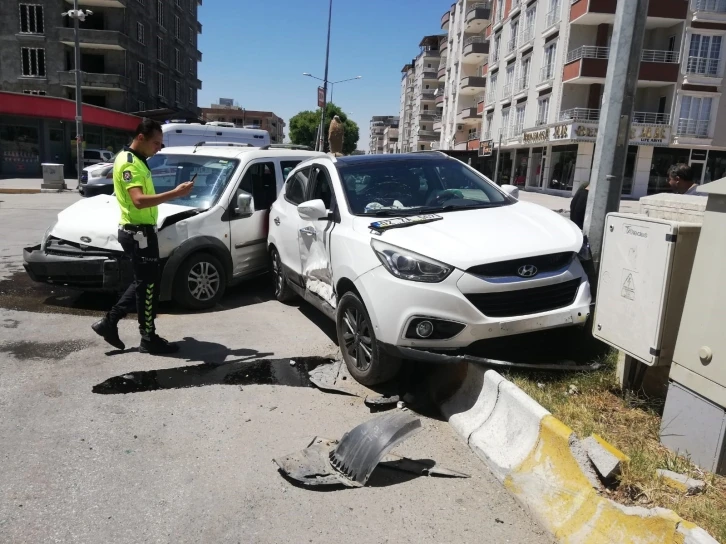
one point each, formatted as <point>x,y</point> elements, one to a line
<point>138,201</point>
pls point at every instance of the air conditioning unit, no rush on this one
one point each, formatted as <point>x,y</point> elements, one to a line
<point>459,127</point>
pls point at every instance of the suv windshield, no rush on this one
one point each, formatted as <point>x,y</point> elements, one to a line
<point>213,174</point>
<point>402,187</point>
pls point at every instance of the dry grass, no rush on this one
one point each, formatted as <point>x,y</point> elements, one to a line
<point>632,424</point>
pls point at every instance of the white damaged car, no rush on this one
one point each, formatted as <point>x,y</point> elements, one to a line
<point>214,237</point>
<point>420,257</point>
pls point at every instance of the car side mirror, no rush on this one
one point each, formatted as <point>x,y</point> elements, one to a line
<point>313,210</point>
<point>511,190</point>
<point>244,205</point>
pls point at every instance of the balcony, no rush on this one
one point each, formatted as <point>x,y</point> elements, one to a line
<point>99,3</point>
<point>428,134</point>
<point>445,19</point>
<point>705,71</point>
<point>439,99</point>
<point>444,49</point>
<point>428,96</point>
<point>468,116</point>
<point>97,82</point>
<point>432,76</point>
<point>476,50</point>
<point>521,85</point>
<point>94,39</point>
<point>588,64</point>
<point>546,75</point>
<point>507,92</point>
<point>442,74</point>
<point>709,11</point>
<point>580,114</point>
<point>552,21</point>
<point>478,16</point>
<point>472,85</point>
<point>693,128</point>
<point>527,37</point>
<point>511,47</point>
<point>437,123</point>
<point>491,97</point>
<point>663,13</point>
<point>428,116</point>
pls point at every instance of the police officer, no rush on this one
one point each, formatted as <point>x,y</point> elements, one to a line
<point>138,201</point>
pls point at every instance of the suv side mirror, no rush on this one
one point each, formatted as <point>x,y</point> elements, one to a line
<point>244,205</point>
<point>312,210</point>
<point>511,190</point>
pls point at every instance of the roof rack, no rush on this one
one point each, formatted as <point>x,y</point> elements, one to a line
<point>220,144</point>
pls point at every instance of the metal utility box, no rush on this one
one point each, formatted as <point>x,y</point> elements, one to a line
<point>645,268</point>
<point>52,173</point>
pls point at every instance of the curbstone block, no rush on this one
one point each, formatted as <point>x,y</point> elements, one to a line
<point>470,407</point>
<point>605,458</point>
<point>681,482</point>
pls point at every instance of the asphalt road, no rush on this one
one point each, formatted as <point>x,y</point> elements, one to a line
<point>102,446</point>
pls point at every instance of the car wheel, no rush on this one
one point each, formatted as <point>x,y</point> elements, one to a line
<point>365,360</point>
<point>200,282</point>
<point>283,293</point>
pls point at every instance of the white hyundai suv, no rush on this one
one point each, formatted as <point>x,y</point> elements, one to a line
<point>420,257</point>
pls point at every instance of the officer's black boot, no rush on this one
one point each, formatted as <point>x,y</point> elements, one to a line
<point>154,344</point>
<point>108,330</point>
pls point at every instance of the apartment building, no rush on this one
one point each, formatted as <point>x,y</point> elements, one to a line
<point>383,132</point>
<point>545,77</point>
<point>136,55</point>
<point>462,74</point>
<point>242,117</point>
<point>419,85</point>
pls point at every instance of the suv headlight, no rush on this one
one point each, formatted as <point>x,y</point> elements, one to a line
<point>408,265</point>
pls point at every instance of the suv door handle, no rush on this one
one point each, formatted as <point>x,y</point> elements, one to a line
<point>310,231</point>
<point>277,221</point>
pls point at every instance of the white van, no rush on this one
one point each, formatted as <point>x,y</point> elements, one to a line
<point>215,237</point>
<point>181,134</point>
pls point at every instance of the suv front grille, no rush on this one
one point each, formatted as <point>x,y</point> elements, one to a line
<point>544,263</point>
<point>526,301</point>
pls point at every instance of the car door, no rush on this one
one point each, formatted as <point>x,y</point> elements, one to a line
<point>249,232</point>
<point>314,242</point>
<point>286,222</point>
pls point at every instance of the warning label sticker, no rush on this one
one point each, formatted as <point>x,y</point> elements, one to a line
<point>628,286</point>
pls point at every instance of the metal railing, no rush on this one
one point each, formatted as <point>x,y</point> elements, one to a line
<point>507,91</point>
<point>473,136</point>
<point>437,118</point>
<point>580,114</point>
<point>430,75</point>
<point>527,35</point>
<point>713,6</point>
<point>522,84</point>
<point>494,55</point>
<point>553,17</point>
<point>704,66</point>
<point>486,135</point>
<point>516,130</point>
<point>540,122</point>
<point>474,39</point>
<point>588,52</point>
<point>491,96</point>
<point>650,118</point>
<point>481,98</point>
<point>512,45</point>
<point>656,55</point>
<point>428,95</point>
<point>478,5</point>
<point>547,73</point>
<point>693,128</point>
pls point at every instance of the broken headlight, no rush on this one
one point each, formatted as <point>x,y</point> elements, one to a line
<point>408,265</point>
<point>585,254</point>
<point>44,241</point>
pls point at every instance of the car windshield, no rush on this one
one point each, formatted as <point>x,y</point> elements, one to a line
<point>213,174</point>
<point>408,187</point>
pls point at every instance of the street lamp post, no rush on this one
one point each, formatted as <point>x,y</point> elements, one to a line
<point>332,83</point>
<point>321,140</point>
<point>78,15</point>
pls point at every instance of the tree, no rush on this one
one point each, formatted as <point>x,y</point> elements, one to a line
<point>304,128</point>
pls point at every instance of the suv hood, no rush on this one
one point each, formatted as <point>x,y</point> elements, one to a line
<point>96,219</point>
<point>468,238</point>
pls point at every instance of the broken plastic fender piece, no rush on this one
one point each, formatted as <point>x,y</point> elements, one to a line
<point>362,448</point>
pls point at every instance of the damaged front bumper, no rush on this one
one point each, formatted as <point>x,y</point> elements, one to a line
<point>89,269</point>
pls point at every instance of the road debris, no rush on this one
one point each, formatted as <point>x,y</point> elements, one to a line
<point>333,377</point>
<point>350,461</point>
<point>681,482</point>
<point>606,459</point>
<point>381,402</point>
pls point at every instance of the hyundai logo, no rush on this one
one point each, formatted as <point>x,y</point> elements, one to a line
<point>527,271</point>
<point>85,239</point>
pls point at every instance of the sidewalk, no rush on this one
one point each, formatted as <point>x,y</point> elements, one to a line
<point>562,204</point>
<point>15,186</point>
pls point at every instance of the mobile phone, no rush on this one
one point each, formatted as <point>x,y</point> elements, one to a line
<point>193,178</point>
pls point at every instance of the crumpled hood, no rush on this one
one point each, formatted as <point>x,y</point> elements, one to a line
<point>97,218</point>
<point>468,238</point>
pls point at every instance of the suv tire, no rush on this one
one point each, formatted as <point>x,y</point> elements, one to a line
<point>283,292</point>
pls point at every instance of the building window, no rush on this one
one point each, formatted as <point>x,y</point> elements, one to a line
<point>33,61</point>
<point>191,35</point>
<point>160,13</point>
<point>31,19</point>
<point>160,48</point>
<point>34,92</point>
<point>191,66</point>
<point>505,123</point>
<point>191,95</point>
<point>142,105</point>
<point>140,33</point>
<point>177,92</point>
<point>177,60</point>
<point>548,64</point>
<point>543,110</point>
<point>524,70</point>
<point>178,3</point>
<point>177,27</point>
<point>161,85</point>
<point>695,116</point>
<point>704,54</point>
<point>141,72</point>
<point>563,162</point>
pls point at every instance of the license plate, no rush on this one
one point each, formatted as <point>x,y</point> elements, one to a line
<point>399,222</point>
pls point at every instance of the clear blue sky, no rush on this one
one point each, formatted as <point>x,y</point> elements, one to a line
<point>255,51</point>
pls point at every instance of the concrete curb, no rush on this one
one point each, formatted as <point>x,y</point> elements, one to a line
<point>529,451</point>
<point>19,191</point>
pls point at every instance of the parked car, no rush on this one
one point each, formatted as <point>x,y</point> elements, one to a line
<point>97,179</point>
<point>419,256</point>
<point>213,238</point>
<point>181,134</point>
<point>96,156</point>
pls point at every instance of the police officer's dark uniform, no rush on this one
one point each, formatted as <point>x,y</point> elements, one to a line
<point>137,235</point>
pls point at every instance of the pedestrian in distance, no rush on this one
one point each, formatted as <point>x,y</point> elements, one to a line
<point>680,178</point>
<point>137,234</point>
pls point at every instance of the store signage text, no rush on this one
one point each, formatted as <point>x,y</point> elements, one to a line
<point>647,134</point>
<point>486,147</point>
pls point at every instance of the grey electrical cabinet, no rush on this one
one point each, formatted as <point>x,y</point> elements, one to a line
<point>645,268</point>
<point>699,361</point>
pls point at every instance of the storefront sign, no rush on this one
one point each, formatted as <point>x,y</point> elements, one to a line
<point>486,148</point>
<point>655,135</point>
<point>562,132</point>
<point>536,137</point>
<point>650,135</point>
